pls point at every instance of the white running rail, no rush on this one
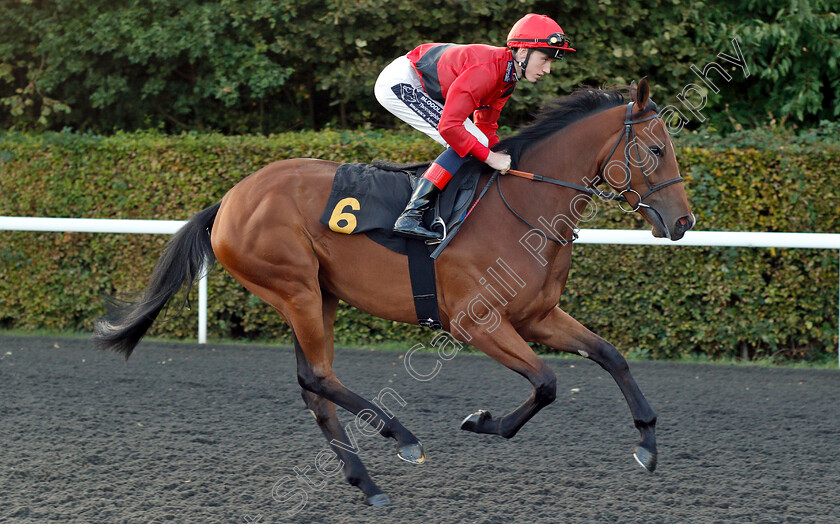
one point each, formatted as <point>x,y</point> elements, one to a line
<point>587,236</point>
<point>104,225</point>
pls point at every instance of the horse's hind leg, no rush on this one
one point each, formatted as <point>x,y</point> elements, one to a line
<point>328,386</point>
<point>560,331</point>
<point>324,412</point>
<point>315,374</point>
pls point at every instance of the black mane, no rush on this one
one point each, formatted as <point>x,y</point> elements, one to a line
<point>556,115</point>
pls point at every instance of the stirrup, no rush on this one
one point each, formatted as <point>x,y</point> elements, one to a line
<point>406,234</point>
<point>434,241</point>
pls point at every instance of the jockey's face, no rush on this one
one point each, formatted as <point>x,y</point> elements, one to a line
<point>538,65</point>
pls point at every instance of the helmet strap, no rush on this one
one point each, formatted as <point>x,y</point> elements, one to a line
<point>524,64</point>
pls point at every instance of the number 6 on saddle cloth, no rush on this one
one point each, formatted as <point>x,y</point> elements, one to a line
<point>368,199</point>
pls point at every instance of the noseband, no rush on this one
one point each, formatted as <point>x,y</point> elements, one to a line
<point>629,136</point>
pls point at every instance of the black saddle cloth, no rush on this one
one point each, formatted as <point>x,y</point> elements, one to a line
<point>368,199</point>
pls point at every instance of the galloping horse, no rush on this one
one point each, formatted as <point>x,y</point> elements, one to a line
<point>267,234</point>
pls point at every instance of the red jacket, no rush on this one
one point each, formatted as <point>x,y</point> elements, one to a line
<point>469,80</point>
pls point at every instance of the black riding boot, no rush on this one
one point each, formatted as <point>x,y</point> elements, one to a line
<point>410,223</point>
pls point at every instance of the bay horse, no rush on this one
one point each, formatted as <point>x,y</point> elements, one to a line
<point>266,233</point>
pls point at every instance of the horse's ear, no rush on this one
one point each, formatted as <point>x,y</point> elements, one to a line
<point>642,95</point>
<point>633,90</point>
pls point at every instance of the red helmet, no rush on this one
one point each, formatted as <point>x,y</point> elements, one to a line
<point>539,32</point>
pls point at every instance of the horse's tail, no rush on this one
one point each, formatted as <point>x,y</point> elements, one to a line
<point>182,260</point>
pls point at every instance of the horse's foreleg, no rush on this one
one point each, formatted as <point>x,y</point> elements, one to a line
<point>507,347</point>
<point>560,331</point>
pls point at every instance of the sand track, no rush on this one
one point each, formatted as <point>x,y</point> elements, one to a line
<point>188,433</point>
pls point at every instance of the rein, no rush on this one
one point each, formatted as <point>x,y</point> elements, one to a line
<point>531,176</point>
<point>606,195</point>
<point>629,136</point>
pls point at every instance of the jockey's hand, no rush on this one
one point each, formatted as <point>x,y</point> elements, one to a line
<point>498,161</point>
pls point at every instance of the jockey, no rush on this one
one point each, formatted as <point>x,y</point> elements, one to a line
<point>437,87</point>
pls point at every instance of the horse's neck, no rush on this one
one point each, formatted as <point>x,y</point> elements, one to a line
<point>572,155</point>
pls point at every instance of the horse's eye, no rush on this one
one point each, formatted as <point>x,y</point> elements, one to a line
<point>656,150</point>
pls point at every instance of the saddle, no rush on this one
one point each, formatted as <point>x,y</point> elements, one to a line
<point>368,198</point>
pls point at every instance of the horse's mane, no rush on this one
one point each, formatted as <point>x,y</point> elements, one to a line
<point>557,114</point>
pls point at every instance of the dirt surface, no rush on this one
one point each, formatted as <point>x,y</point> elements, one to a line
<point>189,433</point>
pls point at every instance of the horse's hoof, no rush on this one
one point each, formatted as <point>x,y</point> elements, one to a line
<point>475,421</point>
<point>645,458</point>
<point>380,500</point>
<point>412,453</point>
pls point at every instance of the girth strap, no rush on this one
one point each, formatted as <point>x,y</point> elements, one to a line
<point>421,270</point>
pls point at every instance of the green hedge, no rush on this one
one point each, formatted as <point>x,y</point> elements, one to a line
<point>662,302</point>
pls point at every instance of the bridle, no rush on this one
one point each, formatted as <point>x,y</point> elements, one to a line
<point>629,136</point>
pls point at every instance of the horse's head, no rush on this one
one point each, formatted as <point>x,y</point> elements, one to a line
<point>642,165</point>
